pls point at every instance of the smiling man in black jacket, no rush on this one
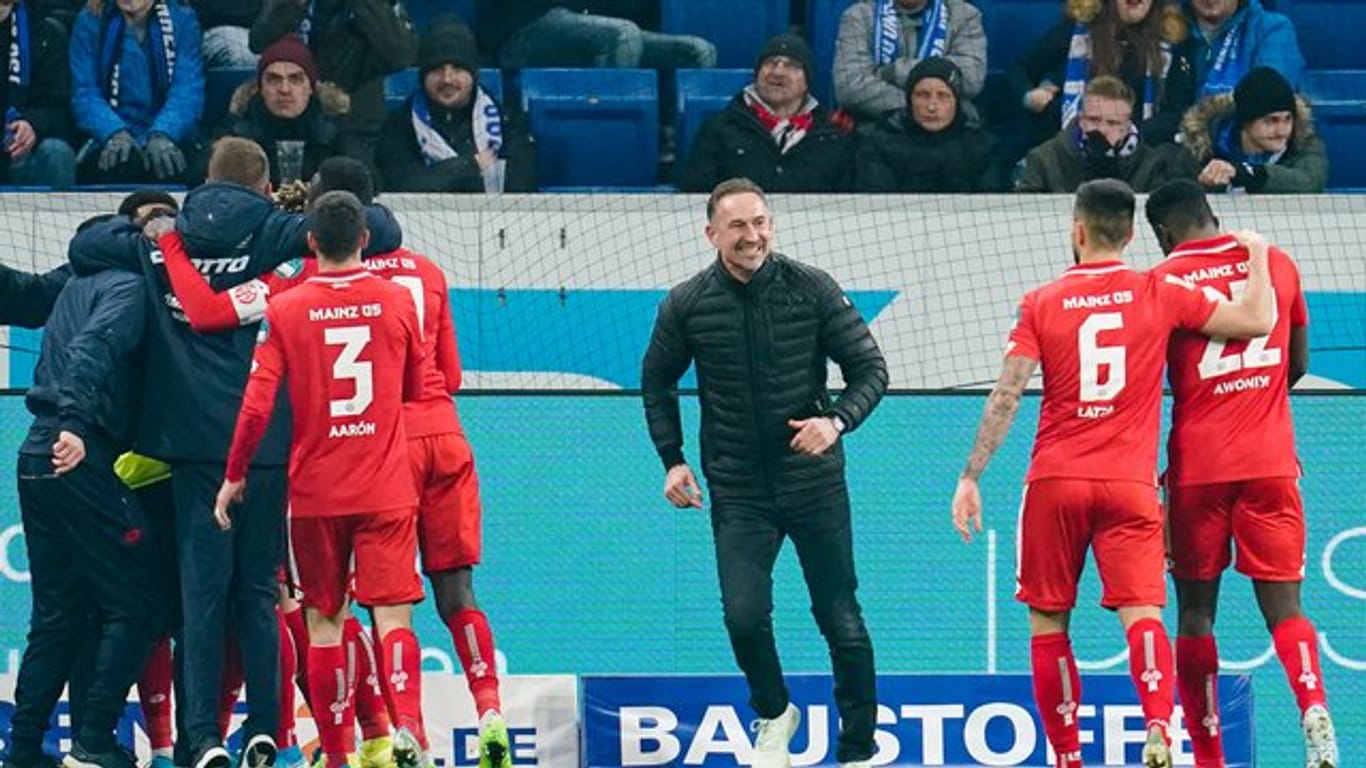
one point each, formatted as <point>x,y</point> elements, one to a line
<point>761,328</point>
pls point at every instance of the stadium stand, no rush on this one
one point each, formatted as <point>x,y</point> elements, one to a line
<point>593,127</point>
<point>1339,100</point>
<point>737,34</point>
<point>1329,32</point>
<point>219,85</point>
<point>701,94</point>
<point>423,11</point>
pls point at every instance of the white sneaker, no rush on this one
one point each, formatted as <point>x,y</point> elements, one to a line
<point>772,736</point>
<point>1157,753</point>
<point>1320,742</point>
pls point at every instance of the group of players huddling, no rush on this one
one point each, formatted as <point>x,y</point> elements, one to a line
<point>1225,315</point>
<point>170,333</point>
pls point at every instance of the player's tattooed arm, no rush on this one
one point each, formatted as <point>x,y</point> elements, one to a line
<point>1002,405</point>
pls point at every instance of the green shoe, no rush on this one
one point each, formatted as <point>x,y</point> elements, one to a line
<point>377,753</point>
<point>495,750</point>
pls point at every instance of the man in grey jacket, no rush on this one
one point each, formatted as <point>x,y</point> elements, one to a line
<point>881,40</point>
<point>761,328</point>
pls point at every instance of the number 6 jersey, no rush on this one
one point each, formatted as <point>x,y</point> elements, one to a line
<point>349,347</point>
<point>1231,404</point>
<point>1100,333</point>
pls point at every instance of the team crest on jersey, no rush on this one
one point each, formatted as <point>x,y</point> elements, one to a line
<point>290,269</point>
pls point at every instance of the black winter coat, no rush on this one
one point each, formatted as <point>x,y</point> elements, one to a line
<point>26,298</point>
<point>761,351</point>
<point>897,155</point>
<point>734,143</point>
<point>403,169</point>
<point>46,101</point>
<point>319,129</point>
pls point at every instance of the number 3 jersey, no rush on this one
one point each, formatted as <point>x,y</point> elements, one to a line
<point>1231,398</point>
<point>349,348</point>
<point>1100,333</point>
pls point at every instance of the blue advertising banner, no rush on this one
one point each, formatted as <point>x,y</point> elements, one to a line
<point>923,720</point>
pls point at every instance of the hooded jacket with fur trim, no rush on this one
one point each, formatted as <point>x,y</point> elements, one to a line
<point>1303,168</point>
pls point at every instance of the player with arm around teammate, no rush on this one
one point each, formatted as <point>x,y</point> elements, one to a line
<point>1099,332</point>
<point>1235,394</point>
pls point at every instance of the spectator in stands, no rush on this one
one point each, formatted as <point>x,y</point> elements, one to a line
<point>1129,39</point>
<point>227,28</point>
<point>62,11</point>
<point>451,135</point>
<point>1231,37</point>
<point>881,40</point>
<point>289,113</point>
<point>586,33</point>
<point>356,43</point>
<point>928,146</point>
<point>34,99</point>
<point>1260,138</point>
<point>137,89</point>
<point>1103,142</point>
<point>774,132</point>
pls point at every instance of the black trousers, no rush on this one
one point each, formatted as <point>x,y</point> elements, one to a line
<point>91,566</point>
<point>748,534</point>
<point>228,583</point>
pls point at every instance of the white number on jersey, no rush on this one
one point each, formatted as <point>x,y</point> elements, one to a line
<point>353,339</point>
<point>414,286</point>
<point>1093,356</point>
<point>1214,362</point>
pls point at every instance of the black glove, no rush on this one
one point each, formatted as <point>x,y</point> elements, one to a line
<point>117,150</point>
<point>1249,177</point>
<point>164,159</point>
<point>1099,157</point>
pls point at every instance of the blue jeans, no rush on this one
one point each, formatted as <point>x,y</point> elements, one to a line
<point>52,163</point>
<point>563,38</point>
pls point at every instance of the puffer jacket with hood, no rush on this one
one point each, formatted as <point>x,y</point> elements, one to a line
<point>318,128</point>
<point>1209,132</point>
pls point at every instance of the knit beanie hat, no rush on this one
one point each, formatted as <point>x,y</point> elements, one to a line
<point>290,48</point>
<point>1260,93</point>
<point>447,41</point>
<point>791,46</point>
<point>939,68</point>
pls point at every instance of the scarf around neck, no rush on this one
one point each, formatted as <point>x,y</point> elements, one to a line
<point>1079,72</point>
<point>486,123</point>
<point>787,132</point>
<point>934,31</point>
<point>161,35</point>
<point>1231,61</point>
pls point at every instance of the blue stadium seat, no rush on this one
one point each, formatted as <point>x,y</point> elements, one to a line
<point>737,34</point>
<point>701,94</point>
<point>399,86</point>
<point>1339,101</point>
<point>593,127</point>
<point>822,28</point>
<point>219,85</point>
<point>1329,31</point>
<point>1012,26</point>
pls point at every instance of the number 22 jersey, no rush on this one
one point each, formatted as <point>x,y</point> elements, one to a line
<point>1100,334</point>
<point>1231,397</point>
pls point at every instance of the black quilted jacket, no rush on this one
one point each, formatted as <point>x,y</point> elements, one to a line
<point>761,351</point>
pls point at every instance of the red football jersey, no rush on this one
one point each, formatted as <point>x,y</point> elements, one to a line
<point>433,413</point>
<point>1099,333</point>
<point>1231,398</point>
<point>349,346</point>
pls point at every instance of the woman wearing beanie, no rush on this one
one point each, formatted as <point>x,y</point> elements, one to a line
<point>452,135</point>
<point>928,146</point>
<point>1258,139</point>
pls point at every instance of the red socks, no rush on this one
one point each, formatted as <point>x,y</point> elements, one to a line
<point>1197,679</point>
<point>1057,693</point>
<point>332,707</point>
<point>400,665</point>
<point>284,736</point>
<point>154,694</point>
<point>1150,664</point>
<point>298,629</point>
<point>474,645</point>
<point>360,657</point>
<point>1297,645</point>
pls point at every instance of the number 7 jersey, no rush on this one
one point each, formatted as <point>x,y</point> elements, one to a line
<point>1100,335</point>
<point>1231,397</point>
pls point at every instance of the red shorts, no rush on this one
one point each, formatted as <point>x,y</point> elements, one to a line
<point>1119,520</point>
<point>448,510</point>
<point>382,546</point>
<point>1264,517</point>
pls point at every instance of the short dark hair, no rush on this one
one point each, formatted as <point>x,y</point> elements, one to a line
<point>138,198</point>
<point>337,223</point>
<point>239,160</point>
<point>736,186</point>
<point>1179,205</point>
<point>346,174</point>
<point>1106,208</point>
